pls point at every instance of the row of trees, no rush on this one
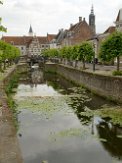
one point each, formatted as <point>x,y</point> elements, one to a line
<point>83,52</point>
<point>110,49</point>
<point>8,54</point>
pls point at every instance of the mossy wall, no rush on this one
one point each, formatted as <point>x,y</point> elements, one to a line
<point>107,86</point>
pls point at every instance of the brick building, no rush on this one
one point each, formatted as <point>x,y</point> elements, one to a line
<point>77,33</point>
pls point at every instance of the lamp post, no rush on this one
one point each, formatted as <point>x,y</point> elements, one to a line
<point>94,57</point>
<point>95,46</point>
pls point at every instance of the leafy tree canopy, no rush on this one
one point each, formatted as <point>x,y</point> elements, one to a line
<point>85,51</point>
<point>2,28</point>
<point>111,47</point>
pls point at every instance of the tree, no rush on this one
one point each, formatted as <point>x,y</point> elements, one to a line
<point>8,53</point>
<point>74,55</point>
<point>1,59</point>
<point>85,53</point>
<point>53,53</point>
<point>1,2</point>
<point>111,48</point>
<point>2,28</point>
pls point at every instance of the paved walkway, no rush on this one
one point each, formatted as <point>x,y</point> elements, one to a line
<point>99,69</point>
<point>9,146</point>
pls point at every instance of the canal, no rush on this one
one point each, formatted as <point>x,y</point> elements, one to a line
<point>56,123</point>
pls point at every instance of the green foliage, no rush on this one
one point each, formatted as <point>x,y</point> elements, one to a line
<point>12,84</point>
<point>111,47</point>
<point>11,103</point>
<point>62,52</point>
<point>53,53</point>
<point>50,53</point>
<point>45,52</point>
<point>114,113</point>
<point>85,51</point>
<point>75,53</point>
<point>8,52</point>
<point>117,73</point>
<point>1,2</point>
<point>2,28</point>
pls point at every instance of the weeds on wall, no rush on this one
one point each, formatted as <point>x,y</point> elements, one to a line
<point>11,103</point>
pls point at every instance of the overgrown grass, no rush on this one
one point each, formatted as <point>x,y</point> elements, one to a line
<point>11,103</point>
<point>12,84</point>
<point>117,73</point>
<point>115,114</point>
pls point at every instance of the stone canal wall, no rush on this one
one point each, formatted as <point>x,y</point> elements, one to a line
<point>9,145</point>
<point>106,86</point>
<point>21,68</point>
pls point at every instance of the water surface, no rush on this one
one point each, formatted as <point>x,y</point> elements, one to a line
<point>53,126</point>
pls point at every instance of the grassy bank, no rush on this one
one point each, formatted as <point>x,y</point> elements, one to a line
<point>9,91</point>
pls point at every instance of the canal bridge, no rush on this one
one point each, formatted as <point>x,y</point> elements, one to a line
<point>31,60</point>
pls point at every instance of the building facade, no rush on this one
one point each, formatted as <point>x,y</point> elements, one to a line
<point>118,21</point>
<point>30,45</point>
<point>77,33</point>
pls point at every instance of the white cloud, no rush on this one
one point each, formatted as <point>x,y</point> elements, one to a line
<point>51,15</point>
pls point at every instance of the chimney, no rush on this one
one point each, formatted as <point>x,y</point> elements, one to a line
<point>80,19</point>
<point>71,25</point>
<point>84,19</point>
<point>61,30</point>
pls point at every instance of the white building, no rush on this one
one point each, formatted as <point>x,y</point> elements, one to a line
<point>30,45</point>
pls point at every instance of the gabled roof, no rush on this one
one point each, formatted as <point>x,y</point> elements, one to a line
<point>23,40</point>
<point>81,31</point>
<point>72,27</point>
<point>60,36</point>
<point>110,29</point>
<point>42,39</point>
<point>50,37</point>
<point>119,16</point>
<point>16,40</point>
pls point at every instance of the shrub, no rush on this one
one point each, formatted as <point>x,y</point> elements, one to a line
<point>117,73</point>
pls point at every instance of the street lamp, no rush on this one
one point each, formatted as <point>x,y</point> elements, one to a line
<point>94,57</point>
<point>95,46</point>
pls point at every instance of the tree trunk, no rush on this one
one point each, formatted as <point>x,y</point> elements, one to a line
<point>0,66</point>
<point>83,65</point>
<point>118,62</point>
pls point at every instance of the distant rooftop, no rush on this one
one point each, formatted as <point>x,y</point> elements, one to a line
<point>119,16</point>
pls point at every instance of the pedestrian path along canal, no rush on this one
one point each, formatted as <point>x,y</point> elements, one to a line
<point>57,122</point>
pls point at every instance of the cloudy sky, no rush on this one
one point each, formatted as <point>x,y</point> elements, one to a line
<point>48,16</point>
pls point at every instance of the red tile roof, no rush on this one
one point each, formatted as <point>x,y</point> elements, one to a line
<point>111,29</point>
<point>23,40</point>
<point>80,32</point>
<point>14,40</point>
<point>50,37</point>
<point>42,39</point>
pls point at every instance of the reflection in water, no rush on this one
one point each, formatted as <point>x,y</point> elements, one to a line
<point>71,109</point>
<point>113,136</point>
<point>36,77</point>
